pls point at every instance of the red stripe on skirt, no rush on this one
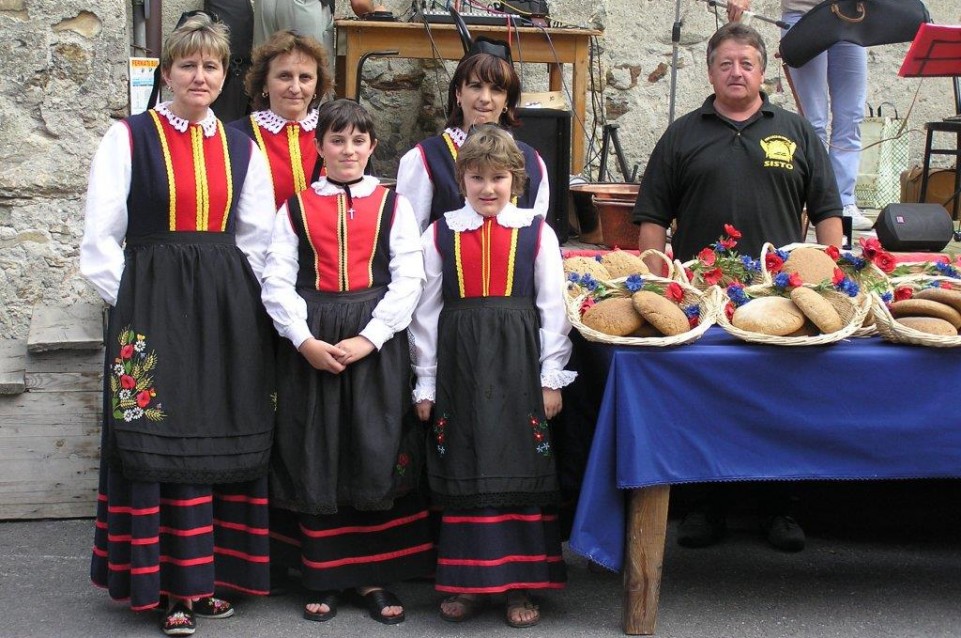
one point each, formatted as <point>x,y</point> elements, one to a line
<point>503,518</point>
<point>127,538</point>
<point>493,562</point>
<point>242,498</point>
<point>257,531</point>
<point>498,590</point>
<point>373,558</point>
<point>187,502</point>
<point>362,529</point>
<point>195,531</point>
<point>133,511</point>
<point>187,562</point>
<point>250,558</point>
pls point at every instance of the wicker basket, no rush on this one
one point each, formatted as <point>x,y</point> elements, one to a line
<point>912,270</point>
<point>705,302</point>
<point>680,270</point>
<point>891,330</point>
<point>869,279</point>
<point>853,310</point>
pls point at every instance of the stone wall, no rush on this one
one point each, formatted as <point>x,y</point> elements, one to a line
<point>63,80</point>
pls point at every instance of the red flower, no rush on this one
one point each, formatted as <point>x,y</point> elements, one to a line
<point>794,280</point>
<point>143,398</point>
<point>693,321</point>
<point>711,277</point>
<point>587,304</point>
<point>870,247</point>
<point>885,261</point>
<point>674,292</point>
<point>832,252</point>
<point>729,311</point>
<point>727,244</point>
<point>403,459</point>
<point>127,382</point>
<point>903,292</point>
<point>689,273</point>
<point>838,276</point>
<point>732,232</point>
<point>440,438</point>
<point>946,286</point>
<point>773,263</point>
<point>707,257</point>
<point>127,351</point>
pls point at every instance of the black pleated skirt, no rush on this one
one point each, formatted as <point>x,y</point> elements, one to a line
<point>353,548</point>
<point>493,550</point>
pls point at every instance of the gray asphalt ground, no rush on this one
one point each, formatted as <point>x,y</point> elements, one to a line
<point>880,562</point>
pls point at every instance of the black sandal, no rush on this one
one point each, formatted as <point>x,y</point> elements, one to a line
<point>331,598</point>
<point>210,607</point>
<point>375,601</point>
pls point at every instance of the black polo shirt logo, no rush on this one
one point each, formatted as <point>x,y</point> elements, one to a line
<point>778,152</point>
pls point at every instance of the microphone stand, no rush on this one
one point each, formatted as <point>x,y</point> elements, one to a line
<point>675,46</point>
<point>723,5</point>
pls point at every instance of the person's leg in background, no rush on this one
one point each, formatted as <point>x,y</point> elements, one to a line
<point>847,76</point>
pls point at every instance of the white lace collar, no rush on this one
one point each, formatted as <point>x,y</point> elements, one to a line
<point>466,218</point>
<point>457,135</point>
<point>360,189</point>
<point>275,124</point>
<point>208,124</point>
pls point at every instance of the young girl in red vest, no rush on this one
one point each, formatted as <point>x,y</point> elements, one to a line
<point>344,273</point>
<point>490,340</point>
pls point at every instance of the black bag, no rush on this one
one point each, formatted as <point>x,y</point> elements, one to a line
<point>864,22</point>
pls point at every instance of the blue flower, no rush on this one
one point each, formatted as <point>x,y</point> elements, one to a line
<point>946,269</point>
<point>887,297</point>
<point>634,283</point>
<point>598,258</point>
<point>849,287</point>
<point>692,311</point>
<point>750,265</point>
<point>857,262</point>
<point>574,277</point>
<point>588,281</point>
<point>736,295</point>
<point>782,280</point>
<point>783,254</point>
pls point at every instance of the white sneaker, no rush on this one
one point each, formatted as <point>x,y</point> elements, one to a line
<point>858,220</point>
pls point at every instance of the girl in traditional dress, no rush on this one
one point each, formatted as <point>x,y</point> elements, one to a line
<point>178,219</point>
<point>286,82</point>
<point>490,341</point>
<point>485,89</point>
<point>344,273</point>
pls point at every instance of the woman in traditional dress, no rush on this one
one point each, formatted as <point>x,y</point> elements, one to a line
<point>286,82</point>
<point>178,219</point>
<point>344,272</point>
<point>485,89</point>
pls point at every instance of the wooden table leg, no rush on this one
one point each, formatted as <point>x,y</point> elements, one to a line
<point>644,558</point>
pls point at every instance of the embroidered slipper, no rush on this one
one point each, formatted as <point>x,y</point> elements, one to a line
<point>331,598</point>
<point>376,600</point>
<point>518,601</point>
<point>179,621</point>
<point>470,606</point>
<point>210,607</point>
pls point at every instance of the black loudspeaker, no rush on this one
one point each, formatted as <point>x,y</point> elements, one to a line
<point>910,227</point>
<point>549,132</point>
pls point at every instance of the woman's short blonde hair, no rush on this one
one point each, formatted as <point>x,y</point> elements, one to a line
<point>489,146</point>
<point>198,33</point>
<point>278,44</point>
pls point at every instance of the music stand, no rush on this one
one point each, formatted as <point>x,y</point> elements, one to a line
<point>936,52</point>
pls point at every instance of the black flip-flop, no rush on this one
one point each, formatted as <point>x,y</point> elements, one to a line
<point>331,598</point>
<point>376,600</point>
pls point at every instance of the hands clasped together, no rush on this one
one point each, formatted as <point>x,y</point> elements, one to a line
<point>335,358</point>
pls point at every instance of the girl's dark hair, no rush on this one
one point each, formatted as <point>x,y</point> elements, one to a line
<point>341,115</point>
<point>486,68</point>
<point>281,42</point>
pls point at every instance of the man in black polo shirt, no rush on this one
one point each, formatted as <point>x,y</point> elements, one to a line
<point>737,160</point>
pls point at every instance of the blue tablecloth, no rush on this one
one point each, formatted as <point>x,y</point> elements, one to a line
<point>724,410</point>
